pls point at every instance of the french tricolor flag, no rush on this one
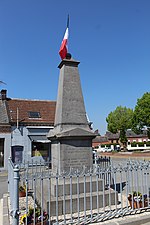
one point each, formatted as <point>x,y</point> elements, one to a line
<point>64,45</point>
<point>64,48</point>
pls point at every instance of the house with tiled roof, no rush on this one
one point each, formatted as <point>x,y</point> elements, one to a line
<point>108,139</point>
<point>24,125</point>
<point>98,140</point>
<point>134,141</point>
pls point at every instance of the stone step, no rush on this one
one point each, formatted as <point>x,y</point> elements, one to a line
<point>104,199</point>
<point>90,183</point>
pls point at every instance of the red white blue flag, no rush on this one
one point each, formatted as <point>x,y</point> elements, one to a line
<point>64,48</point>
<point>64,45</point>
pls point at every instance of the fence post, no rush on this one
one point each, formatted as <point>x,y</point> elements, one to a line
<point>15,212</point>
<point>9,172</point>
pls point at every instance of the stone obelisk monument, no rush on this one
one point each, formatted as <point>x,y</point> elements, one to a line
<point>71,150</point>
<point>71,138</point>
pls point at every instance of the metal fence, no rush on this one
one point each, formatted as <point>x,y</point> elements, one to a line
<point>104,193</point>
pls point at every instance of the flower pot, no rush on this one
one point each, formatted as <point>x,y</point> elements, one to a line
<point>138,205</point>
<point>36,222</point>
<point>22,194</point>
<point>39,223</point>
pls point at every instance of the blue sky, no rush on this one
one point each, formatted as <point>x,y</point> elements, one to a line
<point>111,39</point>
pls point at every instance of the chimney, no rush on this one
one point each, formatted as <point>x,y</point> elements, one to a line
<point>3,94</point>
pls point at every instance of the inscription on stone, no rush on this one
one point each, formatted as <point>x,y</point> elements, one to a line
<point>77,158</point>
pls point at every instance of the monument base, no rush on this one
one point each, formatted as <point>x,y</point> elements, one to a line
<point>72,154</point>
<point>76,194</point>
<point>81,203</point>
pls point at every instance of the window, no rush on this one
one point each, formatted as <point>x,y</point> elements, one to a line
<point>40,149</point>
<point>1,152</point>
<point>34,115</point>
<point>17,152</point>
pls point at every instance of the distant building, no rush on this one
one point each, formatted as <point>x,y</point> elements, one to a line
<point>98,140</point>
<point>112,139</point>
<point>24,125</point>
<point>132,137</point>
<point>108,138</point>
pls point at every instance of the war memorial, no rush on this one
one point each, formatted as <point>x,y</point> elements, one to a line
<point>71,149</point>
<point>71,138</point>
<point>74,190</point>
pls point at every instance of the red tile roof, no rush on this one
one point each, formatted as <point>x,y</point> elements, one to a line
<point>46,109</point>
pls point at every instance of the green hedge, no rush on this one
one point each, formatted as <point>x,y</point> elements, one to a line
<point>103,146</point>
<point>133,144</point>
<point>148,143</point>
<point>141,144</point>
<point>108,145</point>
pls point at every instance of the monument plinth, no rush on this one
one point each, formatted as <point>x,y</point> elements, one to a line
<point>71,138</point>
<point>71,151</point>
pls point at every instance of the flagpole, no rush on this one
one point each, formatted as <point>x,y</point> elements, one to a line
<point>68,21</point>
<point>64,44</point>
<point>68,29</point>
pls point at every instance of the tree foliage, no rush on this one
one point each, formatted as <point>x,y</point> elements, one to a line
<point>119,121</point>
<point>141,117</point>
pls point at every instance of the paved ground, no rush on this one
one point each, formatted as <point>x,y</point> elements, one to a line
<point>3,183</point>
<point>1,211</point>
<point>3,190</point>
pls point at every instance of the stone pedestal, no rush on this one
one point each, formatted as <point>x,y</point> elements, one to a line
<point>71,146</point>
<point>71,138</point>
<point>71,155</point>
<point>73,195</point>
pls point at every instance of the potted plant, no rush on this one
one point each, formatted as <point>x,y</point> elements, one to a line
<point>22,191</point>
<point>137,200</point>
<point>38,217</point>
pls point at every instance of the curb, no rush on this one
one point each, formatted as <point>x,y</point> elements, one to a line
<point>136,219</point>
<point>5,210</point>
<point>141,221</point>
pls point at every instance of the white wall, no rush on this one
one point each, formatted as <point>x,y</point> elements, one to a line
<point>7,148</point>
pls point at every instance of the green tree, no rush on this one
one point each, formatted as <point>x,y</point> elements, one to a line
<point>141,116</point>
<point>119,121</point>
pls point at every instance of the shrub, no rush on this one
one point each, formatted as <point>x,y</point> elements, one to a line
<point>103,146</point>
<point>148,143</point>
<point>96,147</point>
<point>108,145</point>
<point>141,144</point>
<point>133,144</point>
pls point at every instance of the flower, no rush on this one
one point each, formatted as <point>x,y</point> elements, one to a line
<point>137,196</point>
<point>26,217</point>
<point>30,216</point>
<point>22,188</point>
<point>23,218</point>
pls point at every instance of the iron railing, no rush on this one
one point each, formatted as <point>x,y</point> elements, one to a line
<point>105,192</point>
